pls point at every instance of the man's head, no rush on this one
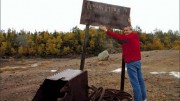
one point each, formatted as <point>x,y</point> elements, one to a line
<point>127,30</point>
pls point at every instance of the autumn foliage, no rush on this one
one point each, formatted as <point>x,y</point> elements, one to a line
<point>61,44</point>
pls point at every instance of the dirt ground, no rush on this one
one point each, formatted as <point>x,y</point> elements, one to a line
<point>20,79</point>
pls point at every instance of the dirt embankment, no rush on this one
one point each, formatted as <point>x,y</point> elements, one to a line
<point>20,79</point>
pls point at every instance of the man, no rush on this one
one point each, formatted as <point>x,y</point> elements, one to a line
<point>132,56</point>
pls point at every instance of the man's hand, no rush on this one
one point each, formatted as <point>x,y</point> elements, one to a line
<point>129,21</point>
<point>103,28</point>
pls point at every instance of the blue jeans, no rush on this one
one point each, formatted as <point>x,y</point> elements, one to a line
<point>136,79</point>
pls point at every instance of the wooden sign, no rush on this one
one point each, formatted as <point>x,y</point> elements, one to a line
<point>95,13</point>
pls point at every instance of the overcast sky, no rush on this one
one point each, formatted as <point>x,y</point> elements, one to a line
<point>63,15</point>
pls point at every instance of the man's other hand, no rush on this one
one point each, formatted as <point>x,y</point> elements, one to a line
<point>103,28</point>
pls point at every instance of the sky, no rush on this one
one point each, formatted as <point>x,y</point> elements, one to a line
<point>63,15</point>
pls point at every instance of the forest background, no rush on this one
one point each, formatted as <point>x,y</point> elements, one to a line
<point>69,44</point>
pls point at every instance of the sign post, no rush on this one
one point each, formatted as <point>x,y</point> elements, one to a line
<point>122,75</point>
<point>84,48</point>
<point>113,16</point>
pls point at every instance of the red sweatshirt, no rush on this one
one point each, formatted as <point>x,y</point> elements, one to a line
<point>130,46</point>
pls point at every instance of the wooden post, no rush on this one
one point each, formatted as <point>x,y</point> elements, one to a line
<point>122,75</point>
<point>84,47</point>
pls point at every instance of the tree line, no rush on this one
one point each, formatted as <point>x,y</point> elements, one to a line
<point>67,44</point>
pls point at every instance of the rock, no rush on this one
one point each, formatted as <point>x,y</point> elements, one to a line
<point>103,56</point>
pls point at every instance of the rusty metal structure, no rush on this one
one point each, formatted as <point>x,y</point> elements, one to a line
<point>101,94</point>
<point>68,85</point>
<point>72,85</point>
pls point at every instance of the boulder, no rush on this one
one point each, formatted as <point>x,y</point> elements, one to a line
<point>103,56</point>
